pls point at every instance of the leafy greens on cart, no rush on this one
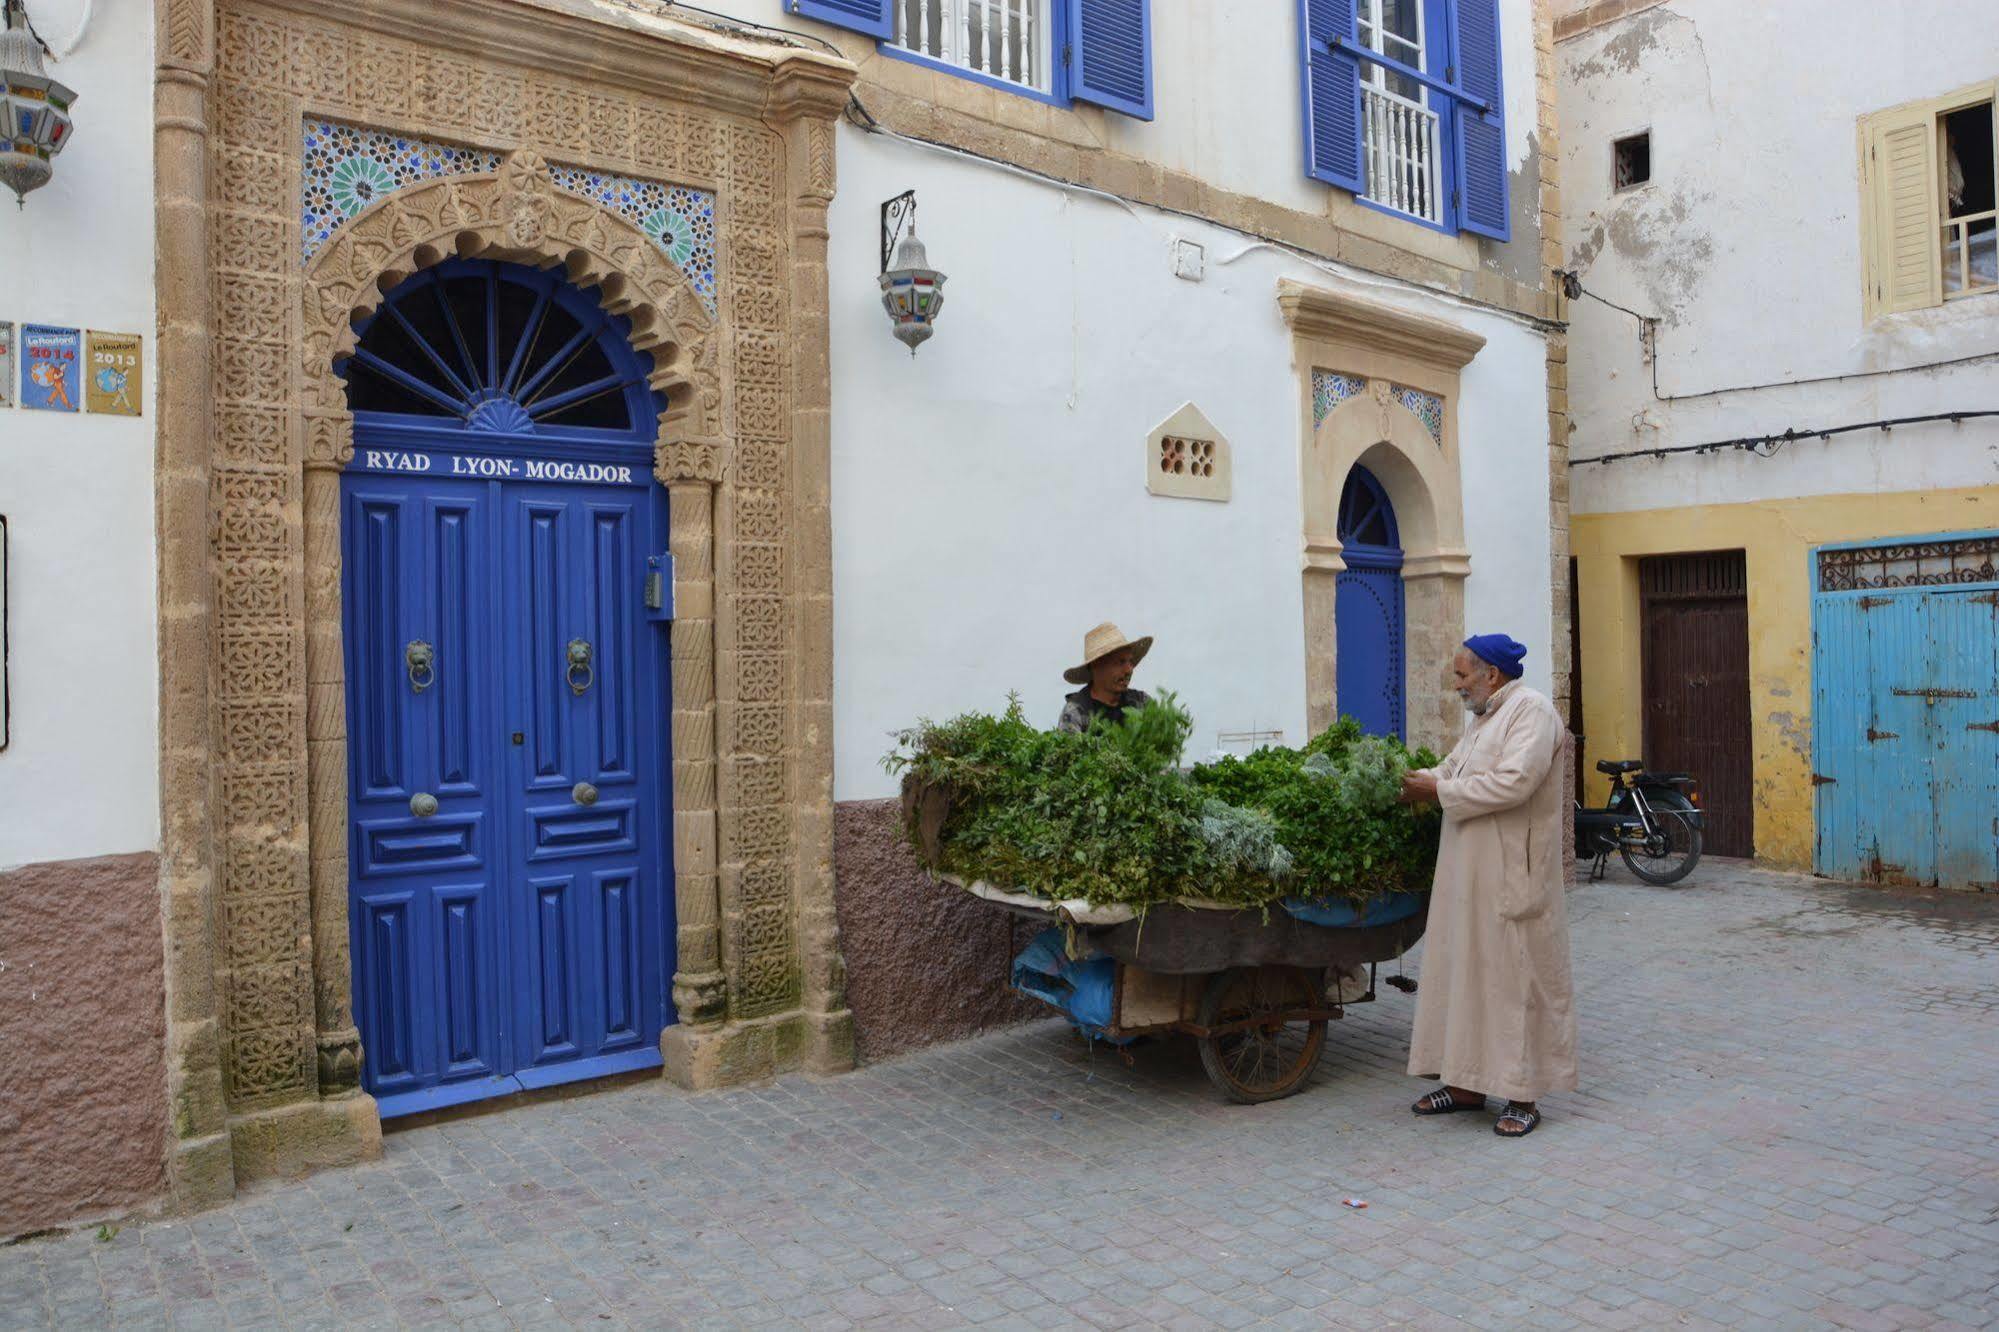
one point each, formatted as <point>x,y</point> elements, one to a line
<point>1108,816</point>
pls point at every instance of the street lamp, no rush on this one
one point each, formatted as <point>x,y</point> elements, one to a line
<point>912,291</point>
<point>34,110</point>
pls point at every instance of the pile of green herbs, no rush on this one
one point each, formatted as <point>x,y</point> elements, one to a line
<point>1109,816</point>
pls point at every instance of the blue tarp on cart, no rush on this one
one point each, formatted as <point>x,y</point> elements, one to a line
<point>1336,911</point>
<point>1081,990</point>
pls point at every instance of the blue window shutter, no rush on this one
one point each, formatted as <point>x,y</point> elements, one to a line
<point>1480,139</point>
<point>1331,89</point>
<point>1110,42</point>
<point>876,18</point>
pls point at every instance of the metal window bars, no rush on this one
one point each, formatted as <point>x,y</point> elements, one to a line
<point>1400,136</point>
<point>1971,254</point>
<point>998,38</point>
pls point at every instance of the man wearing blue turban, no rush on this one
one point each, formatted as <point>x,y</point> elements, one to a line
<point>1496,1014</point>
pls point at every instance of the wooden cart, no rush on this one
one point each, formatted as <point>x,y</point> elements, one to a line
<point>1255,993</point>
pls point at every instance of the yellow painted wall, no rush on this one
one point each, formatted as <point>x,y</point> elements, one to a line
<point>1776,537</point>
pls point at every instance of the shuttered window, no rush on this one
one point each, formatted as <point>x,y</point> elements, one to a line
<point>1062,51</point>
<point>1404,104</point>
<point>1930,231</point>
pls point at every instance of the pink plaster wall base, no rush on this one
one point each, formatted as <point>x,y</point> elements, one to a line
<point>83,1108</point>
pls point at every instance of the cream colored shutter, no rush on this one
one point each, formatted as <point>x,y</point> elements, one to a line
<point>1902,170</point>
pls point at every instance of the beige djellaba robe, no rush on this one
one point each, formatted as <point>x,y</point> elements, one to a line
<point>1495,1012</point>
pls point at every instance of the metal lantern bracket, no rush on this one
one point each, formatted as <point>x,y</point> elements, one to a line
<point>897,213</point>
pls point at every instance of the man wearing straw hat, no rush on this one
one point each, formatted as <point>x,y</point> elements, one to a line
<point>1109,658</point>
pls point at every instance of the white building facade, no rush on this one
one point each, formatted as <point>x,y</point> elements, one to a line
<point>551,532</point>
<point>1793,261</point>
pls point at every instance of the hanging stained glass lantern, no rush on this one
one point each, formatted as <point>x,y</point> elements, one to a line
<point>912,293</point>
<point>34,112</point>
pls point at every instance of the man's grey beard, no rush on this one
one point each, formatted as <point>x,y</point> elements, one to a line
<point>1478,709</point>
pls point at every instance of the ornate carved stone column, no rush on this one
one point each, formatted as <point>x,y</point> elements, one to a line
<point>804,101</point>
<point>690,471</point>
<point>329,447</point>
<point>199,1163</point>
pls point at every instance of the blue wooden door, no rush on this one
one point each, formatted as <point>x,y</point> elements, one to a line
<point>507,693</point>
<point>425,857</point>
<point>1906,735</point>
<point>1368,608</point>
<point>588,990</point>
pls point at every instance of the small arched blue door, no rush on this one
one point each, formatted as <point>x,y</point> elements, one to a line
<point>1367,608</point>
<point>509,899</point>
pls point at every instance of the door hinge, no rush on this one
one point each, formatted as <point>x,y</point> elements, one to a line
<point>1818,780</point>
<point>1874,735</point>
<point>1992,726</point>
<point>1986,599</point>
<point>1869,603</point>
<point>1066,53</point>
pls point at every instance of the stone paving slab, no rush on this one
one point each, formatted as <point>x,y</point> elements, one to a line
<point>1787,1121</point>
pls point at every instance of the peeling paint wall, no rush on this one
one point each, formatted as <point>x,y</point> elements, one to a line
<point>1746,247</point>
<point>1776,537</point>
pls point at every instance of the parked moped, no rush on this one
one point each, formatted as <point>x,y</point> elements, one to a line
<point>1653,820</point>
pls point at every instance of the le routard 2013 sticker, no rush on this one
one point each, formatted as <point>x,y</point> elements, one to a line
<point>115,373</point>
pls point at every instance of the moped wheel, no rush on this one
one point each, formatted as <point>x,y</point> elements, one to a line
<point>1270,1058</point>
<point>1673,850</point>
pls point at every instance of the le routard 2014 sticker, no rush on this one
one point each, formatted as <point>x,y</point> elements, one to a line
<point>115,373</point>
<point>50,367</point>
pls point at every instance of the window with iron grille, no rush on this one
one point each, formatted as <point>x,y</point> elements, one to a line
<point>1055,51</point>
<point>1931,218</point>
<point>1399,129</point>
<point>1001,39</point>
<point>1404,105</point>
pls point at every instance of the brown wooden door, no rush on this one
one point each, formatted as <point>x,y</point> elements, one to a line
<point>1696,673</point>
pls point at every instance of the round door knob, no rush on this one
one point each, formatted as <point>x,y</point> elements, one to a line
<point>584,794</point>
<point>423,804</point>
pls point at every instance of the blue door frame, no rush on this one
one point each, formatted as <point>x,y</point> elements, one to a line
<point>1368,612</point>
<point>510,874</point>
<point>1905,730</point>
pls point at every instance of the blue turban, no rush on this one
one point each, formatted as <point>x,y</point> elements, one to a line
<point>1498,650</point>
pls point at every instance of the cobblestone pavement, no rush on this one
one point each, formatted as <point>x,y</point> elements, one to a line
<point>1791,1090</point>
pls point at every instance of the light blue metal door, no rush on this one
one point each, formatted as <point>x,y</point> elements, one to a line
<point>1906,735</point>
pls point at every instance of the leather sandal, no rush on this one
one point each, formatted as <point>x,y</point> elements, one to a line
<point>1518,1114</point>
<point>1441,1102</point>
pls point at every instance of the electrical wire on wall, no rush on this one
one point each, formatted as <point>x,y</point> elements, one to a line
<point>75,34</point>
<point>861,118</point>
<point>1769,445</point>
<point>1648,336</point>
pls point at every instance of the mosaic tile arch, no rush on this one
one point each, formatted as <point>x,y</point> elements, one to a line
<point>680,220</point>
<point>1428,407</point>
<point>1330,388</point>
<point>348,168</point>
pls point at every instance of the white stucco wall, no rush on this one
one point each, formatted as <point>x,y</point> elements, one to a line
<point>1747,245</point>
<point>79,776</point>
<point>1227,107</point>
<point>988,495</point>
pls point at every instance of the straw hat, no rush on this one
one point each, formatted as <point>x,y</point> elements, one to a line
<point>1099,643</point>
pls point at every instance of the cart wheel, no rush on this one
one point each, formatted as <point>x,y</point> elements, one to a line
<point>1271,1059</point>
